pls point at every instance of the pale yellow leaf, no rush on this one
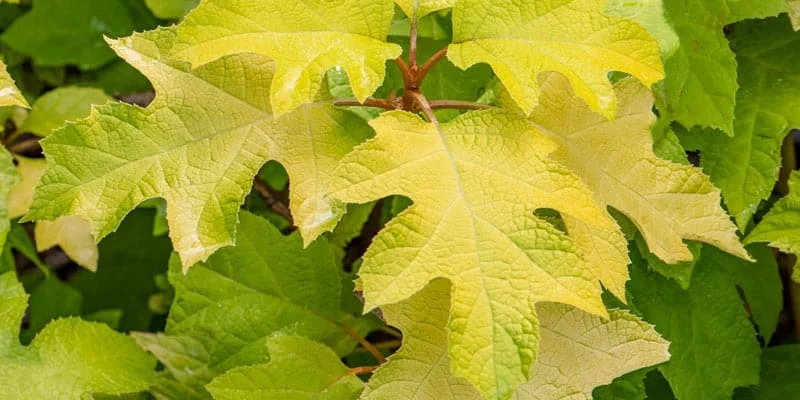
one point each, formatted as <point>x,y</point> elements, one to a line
<point>9,94</point>
<point>668,202</point>
<point>794,12</point>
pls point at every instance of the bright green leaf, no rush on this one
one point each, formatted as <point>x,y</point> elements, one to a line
<point>781,226</point>
<point>709,330</point>
<point>68,359</point>
<point>50,300</point>
<point>57,32</point>
<point>475,182</point>
<point>574,37</point>
<point>58,106</point>
<point>305,39</point>
<point>627,387</point>
<point>198,145</point>
<point>298,369</point>
<point>171,9</point>
<point>780,366</point>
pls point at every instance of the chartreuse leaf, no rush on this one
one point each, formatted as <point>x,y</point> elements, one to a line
<point>56,32</point>
<point>305,39</point>
<point>68,359</point>
<point>708,327</point>
<point>424,7</point>
<point>746,166</point>
<point>701,74</point>
<point>475,182</point>
<point>226,309</point>
<point>54,108</point>
<point>578,351</point>
<point>9,94</point>
<point>781,226</point>
<point>574,37</point>
<point>170,9</point>
<point>668,202</point>
<point>198,145</point>
<point>72,233</point>
<point>298,369</point>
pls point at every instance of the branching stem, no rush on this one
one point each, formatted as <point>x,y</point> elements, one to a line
<point>272,201</point>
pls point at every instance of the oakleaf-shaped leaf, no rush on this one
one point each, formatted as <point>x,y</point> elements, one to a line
<point>305,39</point>
<point>298,369</point>
<point>668,202</point>
<point>424,7</point>
<point>68,359</point>
<point>781,226</point>
<point>577,352</point>
<point>521,39</point>
<point>475,182</point>
<point>226,309</point>
<point>198,145</point>
<point>745,167</point>
<point>9,94</point>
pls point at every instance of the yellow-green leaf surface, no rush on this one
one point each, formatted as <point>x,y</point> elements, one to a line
<point>72,233</point>
<point>170,9</point>
<point>781,226</point>
<point>298,369</point>
<point>668,202</point>
<point>521,39</point>
<point>424,7</point>
<point>9,94</point>
<point>9,177</point>
<point>69,359</point>
<point>198,145</point>
<point>794,12</point>
<point>305,39</point>
<point>577,352</point>
<point>54,108</point>
<point>475,182</point>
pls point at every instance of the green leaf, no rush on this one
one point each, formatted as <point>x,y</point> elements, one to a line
<point>8,179</point>
<point>424,7</point>
<point>128,261</point>
<point>58,106</point>
<point>475,182</point>
<point>227,308</point>
<point>299,369</point>
<point>305,40</point>
<point>781,226</point>
<point>57,32</point>
<point>573,37</point>
<point>68,359</point>
<point>626,387</point>
<point>709,330</point>
<point>198,145</point>
<point>50,300</point>
<point>171,9</point>
<point>745,167</point>
<point>780,366</point>
<point>9,94</point>
<point>578,352</point>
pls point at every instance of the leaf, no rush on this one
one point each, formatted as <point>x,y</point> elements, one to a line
<point>198,145</point>
<point>627,387</point>
<point>668,202</point>
<point>794,13</point>
<point>8,179</point>
<point>54,108</point>
<point>424,7</point>
<point>72,233</point>
<point>298,369</point>
<point>68,359</point>
<point>779,369</point>
<point>228,307</point>
<point>578,351</point>
<point>781,226</point>
<point>9,94</point>
<point>56,32</point>
<point>709,330</point>
<point>574,37</point>
<point>170,9</point>
<point>51,299</point>
<point>745,167</point>
<point>475,182</point>
<point>305,40</point>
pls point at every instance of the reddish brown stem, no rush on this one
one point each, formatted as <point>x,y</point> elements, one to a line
<point>405,71</point>
<point>457,104</point>
<point>412,46</point>
<point>367,345</point>
<point>386,104</point>
<point>272,201</point>
<point>435,58</point>
<point>423,104</point>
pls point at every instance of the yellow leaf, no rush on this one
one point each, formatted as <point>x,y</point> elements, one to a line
<point>305,39</point>
<point>521,39</point>
<point>668,202</point>
<point>475,182</point>
<point>9,94</point>
<point>424,7</point>
<point>794,13</point>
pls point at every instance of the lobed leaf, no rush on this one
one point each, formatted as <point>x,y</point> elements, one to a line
<point>574,37</point>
